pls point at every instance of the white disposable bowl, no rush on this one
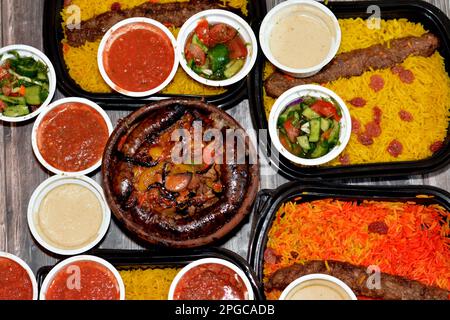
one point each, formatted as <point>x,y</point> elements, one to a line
<point>219,16</point>
<point>111,35</point>
<point>24,265</point>
<point>38,121</point>
<point>271,18</point>
<point>223,262</point>
<point>317,276</point>
<point>315,91</point>
<point>60,266</point>
<point>28,51</point>
<point>48,185</point>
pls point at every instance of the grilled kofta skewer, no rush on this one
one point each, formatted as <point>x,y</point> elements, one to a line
<point>172,14</point>
<point>392,287</point>
<point>356,62</point>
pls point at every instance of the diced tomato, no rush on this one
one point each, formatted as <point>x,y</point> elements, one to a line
<point>6,90</point>
<point>326,109</point>
<point>194,52</point>
<point>3,73</point>
<point>237,48</point>
<point>284,141</point>
<point>22,90</point>
<point>217,187</point>
<point>296,149</point>
<point>326,134</point>
<point>2,106</point>
<point>291,130</point>
<point>221,33</point>
<point>202,31</point>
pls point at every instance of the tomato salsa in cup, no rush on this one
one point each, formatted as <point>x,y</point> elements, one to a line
<point>137,56</point>
<point>15,281</point>
<point>82,280</point>
<point>211,279</point>
<point>71,136</point>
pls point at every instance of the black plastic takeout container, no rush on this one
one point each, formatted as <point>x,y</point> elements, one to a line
<point>269,201</point>
<point>433,20</point>
<point>53,34</point>
<point>144,259</point>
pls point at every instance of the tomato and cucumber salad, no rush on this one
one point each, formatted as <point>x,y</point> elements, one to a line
<point>309,127</point>
<point>215,51</point>
<point>24,85</point>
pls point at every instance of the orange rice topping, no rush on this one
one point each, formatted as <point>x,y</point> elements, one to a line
<point>416,245</point>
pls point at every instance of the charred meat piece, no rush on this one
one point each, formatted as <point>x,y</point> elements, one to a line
<point>171,14</point>
<point>150,126</point>
<point>392,287</point>
<point>165,201</point>
<point>356,62</point>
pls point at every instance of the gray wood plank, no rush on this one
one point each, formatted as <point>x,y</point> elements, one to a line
<point>21,24</point>
<point>116,237</point>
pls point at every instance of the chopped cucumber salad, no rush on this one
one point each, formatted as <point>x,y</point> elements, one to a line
<point>24,85</point>
<point>309,127</point>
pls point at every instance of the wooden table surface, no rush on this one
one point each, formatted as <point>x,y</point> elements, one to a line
<point>20,172</point>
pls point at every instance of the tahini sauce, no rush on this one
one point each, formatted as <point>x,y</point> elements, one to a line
<point>301,37</point>
<point>69,217</point>
<point>318,289</point>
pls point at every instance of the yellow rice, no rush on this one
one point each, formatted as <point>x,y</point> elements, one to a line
<point>82,61</point>
<point>148,284</point>
<point>427,98</point>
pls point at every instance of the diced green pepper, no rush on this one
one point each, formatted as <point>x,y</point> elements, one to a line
<point>27,71</point>
<point>219,57</point>
<point>43,95</point>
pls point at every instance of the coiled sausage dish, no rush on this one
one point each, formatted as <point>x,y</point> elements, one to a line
<point>180,173</point>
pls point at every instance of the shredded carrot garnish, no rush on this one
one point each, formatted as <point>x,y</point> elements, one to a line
<point>416,245</point>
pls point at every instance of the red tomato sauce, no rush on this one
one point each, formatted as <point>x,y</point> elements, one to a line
<point>15,283</point>
<point>72,136</point>
<point>96,282</point>
<point>211,281</point>
<point>140,59</point>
